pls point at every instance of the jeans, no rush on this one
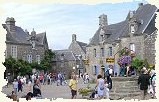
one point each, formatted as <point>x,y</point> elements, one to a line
<point>122,71</point>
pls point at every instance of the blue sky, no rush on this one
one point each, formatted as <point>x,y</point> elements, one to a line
<point>60,21</point>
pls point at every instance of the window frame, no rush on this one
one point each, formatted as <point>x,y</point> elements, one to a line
<point>110,51</point>
<point>14,51</point>
<point>102,52</point>
<point>132,29</point>
<point>95,52</point>
<point>29,58</point>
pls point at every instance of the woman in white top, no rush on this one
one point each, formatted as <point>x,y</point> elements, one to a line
<point>100,86</point>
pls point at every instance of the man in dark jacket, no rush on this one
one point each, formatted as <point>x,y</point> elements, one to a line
<point>143,81</point>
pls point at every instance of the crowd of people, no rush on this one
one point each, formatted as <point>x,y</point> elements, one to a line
<point>34,83</point>
<point>146,82</point>
<point>50,78</point>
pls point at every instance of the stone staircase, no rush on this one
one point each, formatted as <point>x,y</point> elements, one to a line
<point>124,87</point>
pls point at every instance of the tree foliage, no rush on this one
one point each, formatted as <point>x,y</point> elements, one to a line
<point>21,67</point>
<point>46,62</point>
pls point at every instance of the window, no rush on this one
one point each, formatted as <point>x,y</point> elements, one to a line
<point>102,52</point>
<point>102,37</point>
<point>110,51</point>
<point>14,51</point>
<point>33,44</point>
<point>29,58</point>
<point>95,67</point>
<point>95,53</point>
<point>132,29</point>
<point>38,59</point>
<point>132,47</point>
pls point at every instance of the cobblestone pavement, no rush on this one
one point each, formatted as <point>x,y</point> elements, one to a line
<point>54,91</point>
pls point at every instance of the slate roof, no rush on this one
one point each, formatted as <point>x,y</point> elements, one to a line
<point>82,45</point>
<point>21,37</point>
<point>68,55</point>
<point>121,29</point>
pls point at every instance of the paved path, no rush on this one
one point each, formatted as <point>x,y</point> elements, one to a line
<point>54,91</point>
<point>50,91</point>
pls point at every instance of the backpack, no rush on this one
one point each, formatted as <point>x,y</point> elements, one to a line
<point>107,73</point>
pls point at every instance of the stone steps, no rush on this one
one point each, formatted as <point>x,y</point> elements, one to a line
<point>122,95</point>
<point>124,90</point>
<point>124,87</point>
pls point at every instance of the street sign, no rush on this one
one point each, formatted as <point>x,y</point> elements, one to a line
<point>110,60</point>
<point>86,62</point>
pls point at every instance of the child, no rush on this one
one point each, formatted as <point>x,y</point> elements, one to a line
<point>106,90</point>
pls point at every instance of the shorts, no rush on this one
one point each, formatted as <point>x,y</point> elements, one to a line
<point>74,92</point>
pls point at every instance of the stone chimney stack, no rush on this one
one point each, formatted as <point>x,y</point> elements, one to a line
<point>141,4</point>
<point>10,22</point>
<point>73,37</point>
<point>103,20</point>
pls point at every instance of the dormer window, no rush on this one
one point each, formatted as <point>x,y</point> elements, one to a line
<point>102,37</point>
<point>132,29</point>
<point>33,44</point>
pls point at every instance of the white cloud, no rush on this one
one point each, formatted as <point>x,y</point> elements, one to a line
<point>60,21</point>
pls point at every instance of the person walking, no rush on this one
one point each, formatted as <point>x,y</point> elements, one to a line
<point>108,74</point>
<point>143,82</point>
<point>20,86</point>
<point>153,83</point>
<point>15,86</point>
<point>100,86</point>
<point>73,87</point>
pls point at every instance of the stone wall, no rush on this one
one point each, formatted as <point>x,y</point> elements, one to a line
<point>149,48</point>
<point>138,41</point>
<point>124,87</point>
<point>23,50</point>
<point>76,49</point>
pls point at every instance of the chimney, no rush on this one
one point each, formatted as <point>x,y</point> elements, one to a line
<point>10,22</point>
<point>73,37</point>
<point>103,20</point>
<point>26,31</point>
<point>141,4</point>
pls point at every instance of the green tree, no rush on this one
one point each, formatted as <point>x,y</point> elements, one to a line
<point>46,62</point>
<point>11,65</point>
<point>137,64</point>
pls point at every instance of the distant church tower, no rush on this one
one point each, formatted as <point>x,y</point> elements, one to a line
<point>103,20</point>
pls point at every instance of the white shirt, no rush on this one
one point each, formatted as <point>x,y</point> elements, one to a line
<point>15,84</point>
<point>110,71</point>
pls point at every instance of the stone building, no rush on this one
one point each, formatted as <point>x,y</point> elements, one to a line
<point>79,49</point>
<point>71,59</point>
<point>22,45</point>
<point>64,62</point>
<point>137,32</point>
